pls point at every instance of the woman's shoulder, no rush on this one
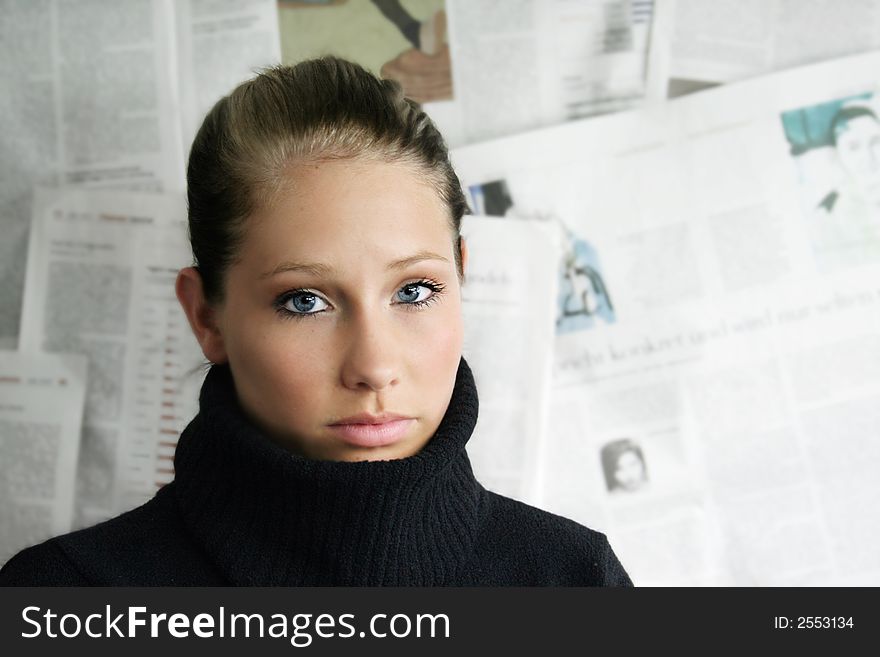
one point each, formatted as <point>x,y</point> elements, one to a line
<point>553,549</point>
<point>142,547</point>
<point>45,564</point>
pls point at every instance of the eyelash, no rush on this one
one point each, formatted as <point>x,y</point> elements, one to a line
<point>436,288</point>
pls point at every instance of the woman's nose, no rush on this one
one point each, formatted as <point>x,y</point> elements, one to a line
<point>371,353</point>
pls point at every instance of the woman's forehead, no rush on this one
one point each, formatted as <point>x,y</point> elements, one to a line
<point>338,210</point>
<point>356,191</point>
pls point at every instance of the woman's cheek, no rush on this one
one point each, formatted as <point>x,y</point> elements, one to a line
<point>440,351</point>
<point>279,352</point>
<point>300,350</point>
<point>293,383</point>
<point>451,330</point>
<point>449,343</point>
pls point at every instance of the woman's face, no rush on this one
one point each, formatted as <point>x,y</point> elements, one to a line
<point>346,302</point>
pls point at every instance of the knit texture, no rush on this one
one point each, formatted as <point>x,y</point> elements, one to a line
<point>267,517</point>
<point>243,511</point>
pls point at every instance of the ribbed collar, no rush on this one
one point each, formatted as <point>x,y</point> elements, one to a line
<point>267,517</point>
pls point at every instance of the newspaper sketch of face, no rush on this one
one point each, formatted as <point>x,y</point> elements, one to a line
<point>583,297</point>
<point>624,466</point>
<point>836,150</point>
<point>856,134</point>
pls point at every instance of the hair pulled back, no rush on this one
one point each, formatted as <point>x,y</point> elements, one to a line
<point>320,109</point>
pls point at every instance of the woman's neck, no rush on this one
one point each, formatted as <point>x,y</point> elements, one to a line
<point>269,517</point>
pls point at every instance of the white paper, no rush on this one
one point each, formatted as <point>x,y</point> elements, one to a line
<point>98,283</point>
<point>110,94</point>
<point>726,40</point>
<point>89,103</point>
<point>220,43</point>
<point>163,374</point>
<point>41,408</point>
<point>525,64</point>
<point>715,365</point>
<point>508,305</point>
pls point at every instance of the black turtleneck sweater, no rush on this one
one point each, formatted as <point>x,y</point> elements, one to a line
<point>244,511</point>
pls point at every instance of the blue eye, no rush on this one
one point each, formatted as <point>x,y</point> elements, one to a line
<point>302,302</point>
<point>305,303</point>
<point>414,293</point>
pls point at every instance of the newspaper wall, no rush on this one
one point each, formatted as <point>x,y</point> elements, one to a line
<point>41,404</point>
<point>487,68</point>
<point>507,301</point>
<point>715,386</point>
<point>696,43</point>
<point>694,284</point>
<point>109,94</point>
<point>536,63</point>
<point>100,282</point>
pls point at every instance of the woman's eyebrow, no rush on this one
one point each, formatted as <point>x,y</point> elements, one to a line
<point>315,268</point>
<point>413,259</point>
<point>321,269</point>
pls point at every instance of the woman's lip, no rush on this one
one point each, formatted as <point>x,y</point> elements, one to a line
<point>373,435</point>
<point>367,418</point>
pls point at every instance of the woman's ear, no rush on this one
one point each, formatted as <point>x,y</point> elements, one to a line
<point>201,315</point>
<point>464,256</point>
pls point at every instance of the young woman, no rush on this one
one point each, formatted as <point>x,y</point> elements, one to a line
<point>329,448</point>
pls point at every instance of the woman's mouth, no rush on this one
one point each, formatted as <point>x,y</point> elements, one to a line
<point>372,432</point>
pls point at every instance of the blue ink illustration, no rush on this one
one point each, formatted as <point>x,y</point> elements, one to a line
<point>583,298</point>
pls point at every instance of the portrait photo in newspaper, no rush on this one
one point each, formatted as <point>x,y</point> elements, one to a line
<point>623,464</point>
<point>836,149</point>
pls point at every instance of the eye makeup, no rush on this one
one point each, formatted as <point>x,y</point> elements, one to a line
<point>282,303</point>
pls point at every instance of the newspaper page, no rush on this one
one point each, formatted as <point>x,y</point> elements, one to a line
<point>716,338</point>
<point>738,442</point>
<point>518,66</point>
<point>85,266</point>
<point>92,105</point>
<point>163,373</point>
<point>220,43</point>
<point>510,281</point>
<point>486,68</point>
<point>109,94</point>
<point>41,407</point>
<point>699,43</point>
